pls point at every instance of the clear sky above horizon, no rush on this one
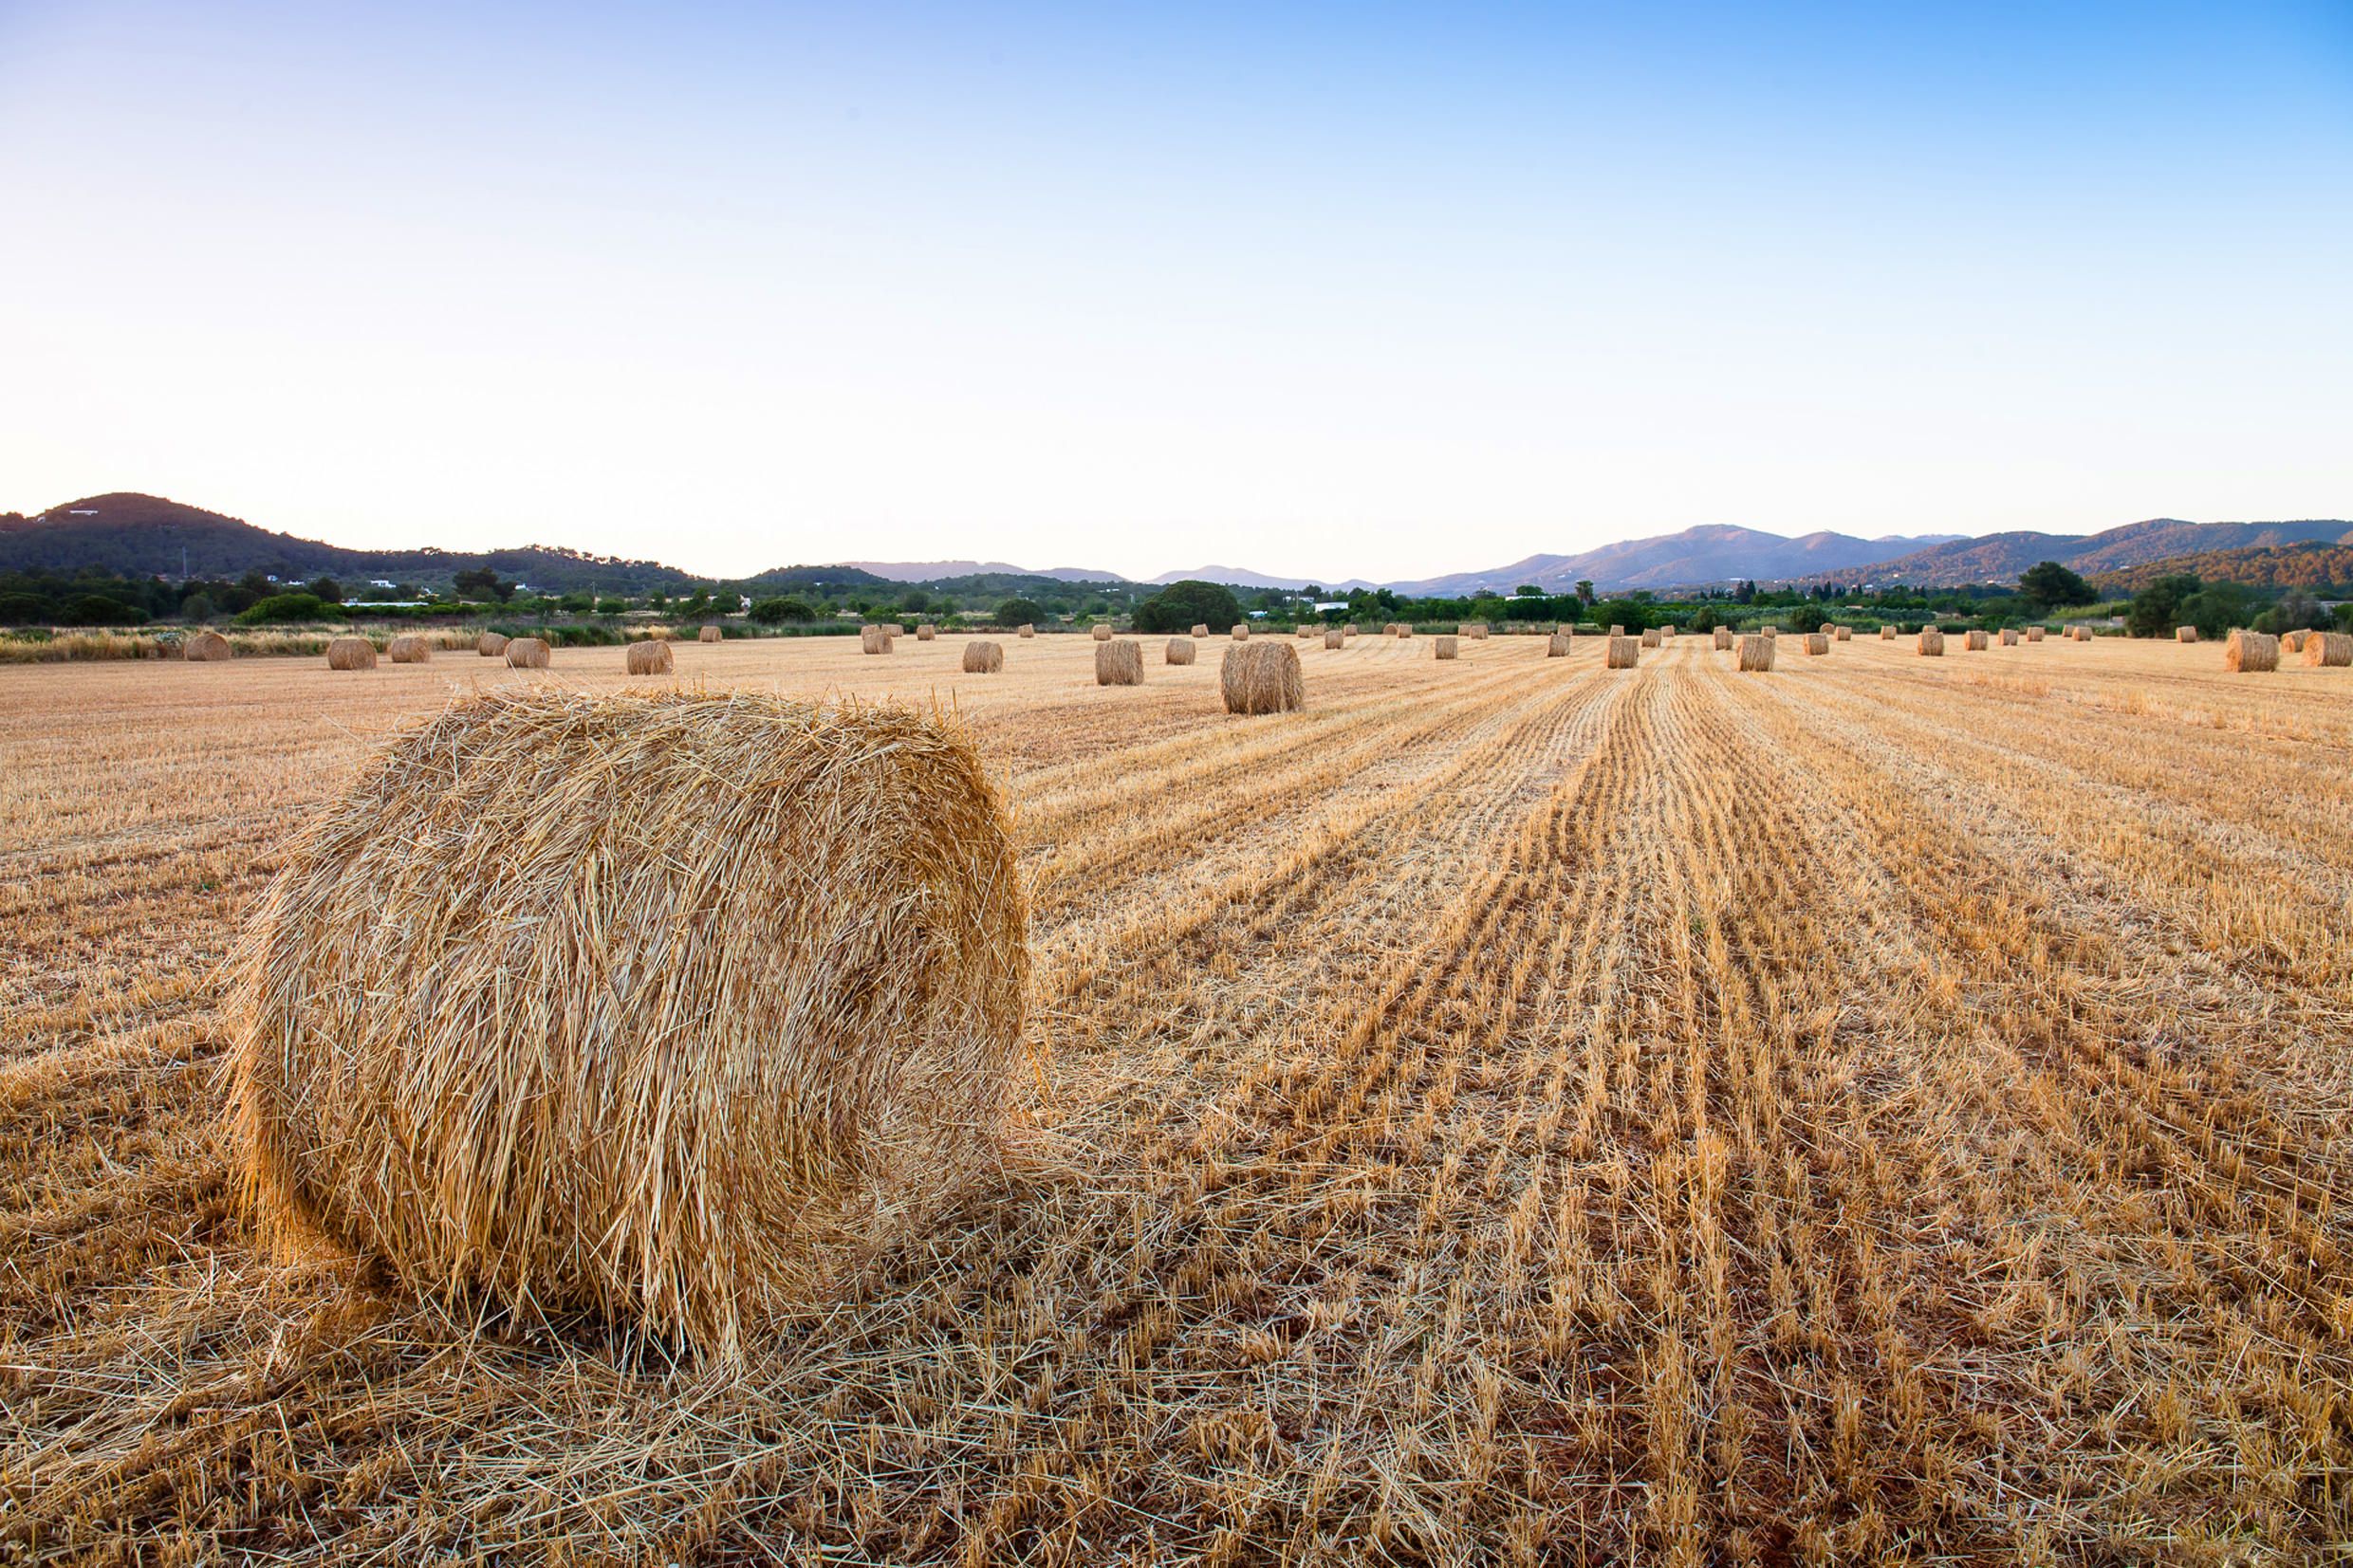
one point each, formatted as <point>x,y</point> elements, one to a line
<point>1378,291</point>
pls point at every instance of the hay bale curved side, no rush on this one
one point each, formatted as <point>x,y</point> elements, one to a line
<point>1931,642</point>
<point>1334,638</point>
<point>709,634</point>
<point>926,632</point>
<point>490,645</point>
<point>1815,643</point>
<point>1443,647</point>
<point>1241,632</point>
<point>1102,631</point>
<point>1026,630</point>
<point>527,654</point>
<point>1262,677</point>
<point>2250,651</point>
<point>1723,639</point>
<point>650,658</point>
<point>1887,633</point>
<point>1179,651</point>
<point>1974,641</point>
<point>1556,646</point>
<point>1756,654</point>
<point>1201,629</point>
<point>873,639</point>
<point>1623,653</point>
<point>408,650</point>
<point>2329,649</point>
<point>2185,634</point>
<point>351,654</point>
<point>666,1074</point>
<point>207,647</point>
<point>1119,663</point>
<point>2010,637</point>
<point>1845,634</point>
<point>983,658</point>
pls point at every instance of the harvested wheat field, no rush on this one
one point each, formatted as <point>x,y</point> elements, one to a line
<point>1502,1111</point>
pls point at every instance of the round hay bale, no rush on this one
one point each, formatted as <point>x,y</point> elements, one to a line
<point>205,648</point>
<point>926,632</point>
<point>1241,632</point>
<point>1843,633</point>
<point>1723,639</point>
<point>2010,637</point>
<point>1974,641</point>
<point>873,639</point>
<point>1405,628</point>
<point>1623,652</point>
<point>1179,651</point>
<point>892,629</point>
<point>1557,645</point>
<point>983,658</point>
<point>2083,634</point>
<point>1616,630</point>
<point>408,650</point>
<point>1769,631</point>
<point>1102,632</point>
<point>1334,637</point>
<point>709,634</point>
<point>1200,629</point>
<point>1307,629</point>
<point>1120,662</point>
<point>1829,628</point>
<point>1261,678</point>
<point>650,658</point>
<point>2332,650</point>
<point>527,654</point>
<point>1472,631</point>
<point>1931,642</point>
<point>1349,630</point>
<point>2250,651</point>
<point>1756,653</point>
<point>1651,636</point>
<point>1887,633</point>
<point>1816,642</point>
<point>1443,647</point>
<point>490,645</point>
<point>2185,634</point>
<point>673,1074</point>
<point>668,634</point>
<point>1666,634</point>
<point>1026,630</point>
<point>2293,642</point>
<point>351,654</point>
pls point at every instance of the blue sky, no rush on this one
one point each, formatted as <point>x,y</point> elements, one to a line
<point>1361,290</point>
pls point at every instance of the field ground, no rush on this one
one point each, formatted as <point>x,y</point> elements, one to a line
<point>1509,1111</point>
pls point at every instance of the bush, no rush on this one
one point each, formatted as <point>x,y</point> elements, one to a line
<point>771,612</point>
<point>1180,605</point>
<point>97,610</point>
<point>23,609</point>
<point>279,607</point>
<point>1021,612</point>
<point>197,609</point>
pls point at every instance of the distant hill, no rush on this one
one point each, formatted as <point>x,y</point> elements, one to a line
<point>2307,565</point>
<point>1999,558</point>
<point>935,571</point>
<point>1707,554</point>
<point>147,536</point>
<point>1242,577</point>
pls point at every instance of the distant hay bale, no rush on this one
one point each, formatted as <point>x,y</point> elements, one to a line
<point>1769,631</point>
<point>1472,631</point>
<point>2250,651</point>
<point>1557,645</point>
<point>205,648</point>
<point>408,650</point>
<point>1201,629</point>
<point>351,654</point>
<point>1240,631</point>
<point>666,632</point>
<point>527,654</point>
<point>1026,630</point>
<point>2293,642</point>
<point>1666,633</point>
<point>742,1019</point>
<point>1974,641</point>
<point>1756,653</point>
<point>1308,628</point>
<point>1179,651</point>
<point>650,658</point>
<point>1828,628</point>
<point>1261,678</point>
<point>892,629</point>
<point>1650,637</point>
<point>873,639</point>
<point>1119,663</point>
<point>1723,638</point>
<point>1334,638</point>
<point>709,634</point>
<point>490,645</point>
<point>1616,630</point>
<point>1443,647</point>
<point>2010,637</point>
<point>1842,634</point>
<point>1623,652</point>
<point>1816,642</point>
<point>1101,632</point>
<point>1887,633</point>
<point>2034,634</point>
<point>2331,649</point>
<point>1931,642</point>
<point>1405,628</point>
<point>926,632</point>
<point>983,658</point>
<point>2185,634</point>
<point>1349,630</point>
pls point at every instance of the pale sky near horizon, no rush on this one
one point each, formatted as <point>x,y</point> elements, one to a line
<point>1378,291</point>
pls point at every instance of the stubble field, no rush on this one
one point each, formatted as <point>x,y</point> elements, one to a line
<point>1510,1111</point>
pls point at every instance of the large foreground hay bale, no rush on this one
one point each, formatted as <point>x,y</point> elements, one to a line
<point>1179,651</point>
<point>1240,633</point>
<point>1261,678</point>
<point>926,632</point>
<point>1443,647</point>
<point>490,645</point>
<point>1623,652</point>
<point>1334,637</point>
<point>2250,651</point>
<point>1651,636</point>
<point>1974,641</point>
<point>2331,649</point>
<point>2185,634</point>
<point>709,634</point>
<point>351,654</point>
<point>1931,642</point>
<point>873,639</point>
<point>1723,638</point>
<point>983,658</point>
<point>527,654</point>
<point>1119,663</point>
<point>1101,632</point>
<point>408,650</point>
<point>1816,642</point>
<point>1026,630</point>
<point>205,648</point>
<point>1557,645</point>
<point>727,1007</point>
<point>650,658</point>
<point>1756,653</point>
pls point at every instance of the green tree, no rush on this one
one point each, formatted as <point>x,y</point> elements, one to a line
<point>771,611</point>
<point>1585,592</point>
<point>326,590</point>
<point>2048,586</point>
<point>102,610</point>
<point>1019,612</point>
<point>2156,610</point>
<point>480,583</point>
<point>284,607</point>
<point>197,609</point>
<point>914,602</point>
<point>1187,603</point>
